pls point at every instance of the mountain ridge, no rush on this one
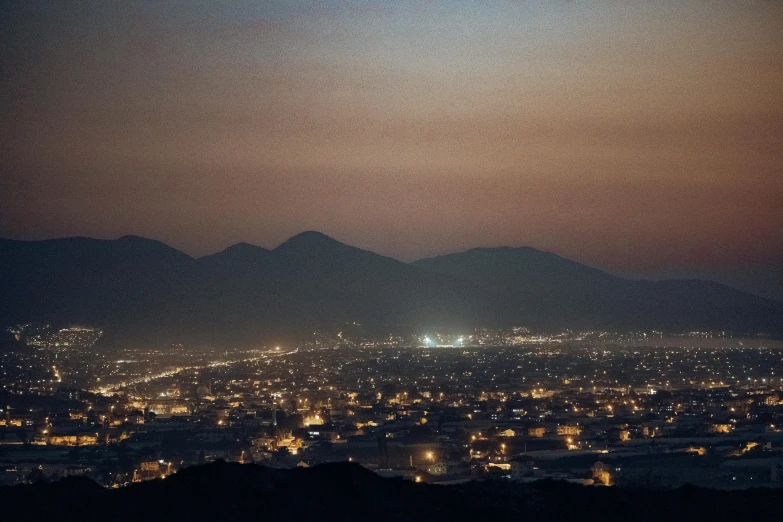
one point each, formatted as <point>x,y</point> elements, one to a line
<point>311,280</point>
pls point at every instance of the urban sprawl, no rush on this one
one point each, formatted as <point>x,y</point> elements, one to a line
<point>600,408</point>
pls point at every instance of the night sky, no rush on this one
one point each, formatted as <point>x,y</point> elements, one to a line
<point>642,137</point>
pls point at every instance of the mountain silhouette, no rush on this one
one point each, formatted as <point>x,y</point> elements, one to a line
<point>138,287</point>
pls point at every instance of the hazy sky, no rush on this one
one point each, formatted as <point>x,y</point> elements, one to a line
<point>643,137</point>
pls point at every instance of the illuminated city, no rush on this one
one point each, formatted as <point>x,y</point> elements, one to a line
<point>391,260</point>
<point>699,408</point>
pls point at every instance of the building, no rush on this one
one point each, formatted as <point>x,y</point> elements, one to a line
<point>568,430</point>
<point>72,440</point>
<point>437,468</point>
<point>152,470</point>
<point>719,428</point>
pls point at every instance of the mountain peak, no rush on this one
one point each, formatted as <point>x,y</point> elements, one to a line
<point>310,246</point>
<point>139,240</point>
<point>310,238</point>
<point>130,238</point>
<point>242,253</point>
<point>243,248</point>
<point>311,235</point>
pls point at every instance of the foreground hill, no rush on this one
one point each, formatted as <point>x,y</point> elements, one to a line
<point>134,286</point>
<point>345,491</point>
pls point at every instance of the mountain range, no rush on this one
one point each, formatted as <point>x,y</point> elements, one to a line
<point>142,288</point>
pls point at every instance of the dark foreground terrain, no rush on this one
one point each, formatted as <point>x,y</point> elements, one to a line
<point>223,491</point>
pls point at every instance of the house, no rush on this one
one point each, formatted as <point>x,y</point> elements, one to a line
<point>437,468</point>
<point>719,428</point>
<point>568,430</point>
<point>151,470</point>
<point>73,440</point>
<point>265,442</point>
